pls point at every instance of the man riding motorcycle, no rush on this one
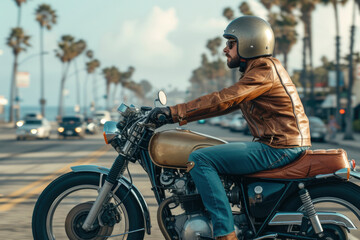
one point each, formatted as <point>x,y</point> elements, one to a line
<point>269,102</point>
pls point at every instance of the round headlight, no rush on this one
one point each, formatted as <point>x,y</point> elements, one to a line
<point>19,123</point>
<point>77,129</point>
<point>60,129</point>
<point>33,131</point>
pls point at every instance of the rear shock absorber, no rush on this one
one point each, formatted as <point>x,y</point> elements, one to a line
<point>310,210</point>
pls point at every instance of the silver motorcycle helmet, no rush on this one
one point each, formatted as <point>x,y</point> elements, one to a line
<point>254,36</point>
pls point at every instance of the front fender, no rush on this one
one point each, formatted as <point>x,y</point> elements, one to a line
<point>125,182</point>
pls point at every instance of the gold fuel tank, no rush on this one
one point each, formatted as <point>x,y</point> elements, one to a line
<point>171,148</point>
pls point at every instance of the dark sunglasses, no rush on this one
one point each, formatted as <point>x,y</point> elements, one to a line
<point>230,43</point>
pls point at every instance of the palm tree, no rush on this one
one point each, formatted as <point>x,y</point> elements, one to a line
<point>228,13</point>
<point>19,3</point>
<point>244,8</point>
<point>349,117</point>
<point>111,75</point>
<point>306,9</point>
<point>69,49</point>
<point>125,77</point>
<point>337,38</point>
<point>46,17</point>
<point>18,41</point>
<point>146,86</point>
<point>91,66</point>
<point>135,88</point>
<point>285,34</point>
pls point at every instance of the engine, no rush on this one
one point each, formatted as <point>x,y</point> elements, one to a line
<point>193,222</point>
<point>173,181</point>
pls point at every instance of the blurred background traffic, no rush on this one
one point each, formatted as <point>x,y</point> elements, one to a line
<point>65,71</point>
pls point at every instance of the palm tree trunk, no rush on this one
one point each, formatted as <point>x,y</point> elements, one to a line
<point>312,78</point>
<point>304,71</point>
<point>349,117</point>
<point>77,85</point>
<point>338,106</point>
<point>95,97</point>
<point>85,95</point>
<point>42,87</point>
<point>285,60</point>
<point>114,93</point>
<point>12,89</point>
<point>62,88</point>
<point>19,16</point>
<point>107,95</point>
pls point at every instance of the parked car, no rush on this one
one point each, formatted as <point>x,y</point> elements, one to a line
<point>318,129</point>
<point>115,116</point>
<point>72,126</point>
<point>34,128</point>
<point>237,123</point>
<point>102,116</point>
<point>28,116</point>
<point>225,121</point>
<point>91,126</point>
<point>215,121</point>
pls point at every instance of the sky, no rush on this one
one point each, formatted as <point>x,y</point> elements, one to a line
<point>162,39</point>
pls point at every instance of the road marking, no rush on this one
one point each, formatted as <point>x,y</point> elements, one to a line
<point>26,192</point>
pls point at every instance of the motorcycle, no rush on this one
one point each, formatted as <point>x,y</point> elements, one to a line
<point>292,202</point>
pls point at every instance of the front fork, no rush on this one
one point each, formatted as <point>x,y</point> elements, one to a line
<point>105,192</point>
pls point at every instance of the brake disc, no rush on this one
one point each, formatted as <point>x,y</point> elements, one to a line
<point>75,219</point>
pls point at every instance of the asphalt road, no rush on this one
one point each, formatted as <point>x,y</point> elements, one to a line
<point>27,167</point>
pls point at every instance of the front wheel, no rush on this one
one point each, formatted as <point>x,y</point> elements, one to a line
<point>341,197</point>
<point>64,204</point>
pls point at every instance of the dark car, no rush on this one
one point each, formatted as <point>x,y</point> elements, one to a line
<point>318,129</point>
<point>72,126</point>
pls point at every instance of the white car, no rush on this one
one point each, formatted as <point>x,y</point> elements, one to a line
<point>102,117</point>
<point>34,128</point>
<point>237,123</point>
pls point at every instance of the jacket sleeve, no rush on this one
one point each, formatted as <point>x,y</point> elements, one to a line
<point>255,82</point>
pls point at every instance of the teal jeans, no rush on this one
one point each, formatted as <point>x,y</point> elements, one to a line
<point>235,159</point>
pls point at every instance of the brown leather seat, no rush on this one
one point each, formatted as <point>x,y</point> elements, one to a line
<point>309,164</point>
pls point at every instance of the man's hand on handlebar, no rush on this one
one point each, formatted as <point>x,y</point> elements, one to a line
<point>160,116</point>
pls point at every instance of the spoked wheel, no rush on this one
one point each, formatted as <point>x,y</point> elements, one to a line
<point>63,206</point>
<point>341,198</point>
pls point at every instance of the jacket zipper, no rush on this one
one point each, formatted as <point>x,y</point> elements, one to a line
<point>292,103</point>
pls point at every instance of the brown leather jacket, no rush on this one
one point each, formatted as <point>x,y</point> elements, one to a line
<point>268,100</point>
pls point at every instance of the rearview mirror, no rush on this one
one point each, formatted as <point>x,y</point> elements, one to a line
<point>162,97</point>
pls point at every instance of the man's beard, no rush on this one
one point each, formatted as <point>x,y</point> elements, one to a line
<point>234,62</point>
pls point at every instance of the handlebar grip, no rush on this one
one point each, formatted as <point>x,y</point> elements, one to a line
<point>161,117</point>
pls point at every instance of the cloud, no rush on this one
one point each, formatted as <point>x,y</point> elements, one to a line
<point>203,25</point>
<point>144,42</point>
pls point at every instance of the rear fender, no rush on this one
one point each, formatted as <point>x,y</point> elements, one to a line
<point>125,182</point>
<point>296,218</point>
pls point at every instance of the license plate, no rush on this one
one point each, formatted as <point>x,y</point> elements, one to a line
<point>69,132</point>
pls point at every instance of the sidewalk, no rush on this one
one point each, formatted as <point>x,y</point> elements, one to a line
<point>339,142</point>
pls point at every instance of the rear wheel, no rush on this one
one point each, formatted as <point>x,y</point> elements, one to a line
<point>339,197</point>
<point>63,206</point>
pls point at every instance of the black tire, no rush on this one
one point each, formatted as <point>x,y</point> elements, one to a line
<point>48,201</point>
<point>340,193</point>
